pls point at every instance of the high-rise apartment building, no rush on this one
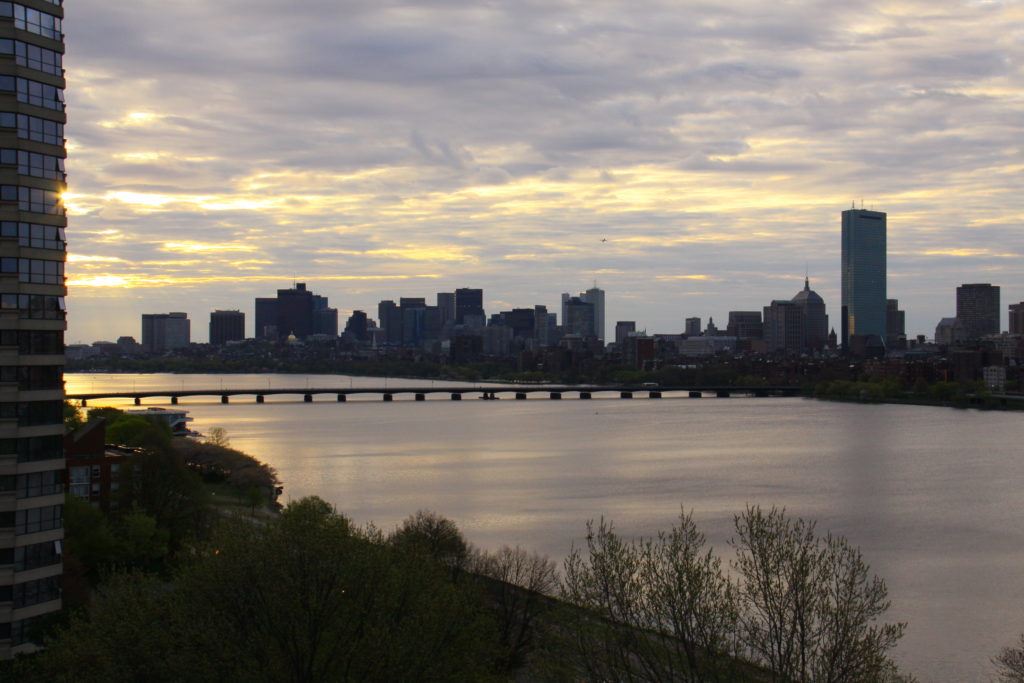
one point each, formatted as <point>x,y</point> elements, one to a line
<point>163,332</point>
<point>226,326</point>
<point>32,317</point>
<point>863,276</point>
<point>977,309</point>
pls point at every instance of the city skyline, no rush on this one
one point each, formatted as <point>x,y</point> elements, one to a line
<point>692,159</point>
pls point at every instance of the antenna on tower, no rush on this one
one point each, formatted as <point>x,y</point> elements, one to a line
<point>862,204</point>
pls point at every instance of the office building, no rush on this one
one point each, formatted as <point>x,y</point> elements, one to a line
<point>389,319</point>
<point>595,297</point>
<point>162,332</point>
<point>297,313</point>
<point>745,325</point>
<point>863,276</point>
<point>469,302</point>
<point>1016,324</point>
<point>579,317</point>
<point>357,327</point>
<point>815,320</point>
<point>446,307</point>
<point>692,327</point>
<point>624,328</point>
<point>977,309</point>
<point>226,326</point>
<point>32,323</point>
<point>784,328</point>
<point>895,324</point>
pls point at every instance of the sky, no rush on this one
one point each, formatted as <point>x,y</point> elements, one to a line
<point>691,158</point>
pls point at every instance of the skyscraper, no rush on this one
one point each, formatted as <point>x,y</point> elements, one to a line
<point>226,326</point>
<point>1017,318</point>
<point>469,302</point>
<point>977,309</point>
<point>32,323</point>
<point>863,275</point>
<point>165,331</point>
<point>595,296</point>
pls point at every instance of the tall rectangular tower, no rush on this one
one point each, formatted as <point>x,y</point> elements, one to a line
<point>595,296</point>
<point>977,309</point>
<point>32,318</point>
<point>863,275</point>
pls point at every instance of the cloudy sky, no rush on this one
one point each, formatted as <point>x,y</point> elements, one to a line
<point>691,157</point>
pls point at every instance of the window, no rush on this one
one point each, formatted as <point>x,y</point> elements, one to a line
<point>40,484</point>
<point>33,56</point>
<point>37,519</point>
<point>35,592</point>
<point>34,306</point>
<point>32,377</point>
<point>36,555</point>
<point>34,164</point>
<point>33,199</point>
<point>32,20</point>
<point>33,92</point>
<point>34,235</point>
<point>34,128</point>
<point>38,271</point>
<point>31,413</point>
<point>95,471</point>
<point>34,449</point>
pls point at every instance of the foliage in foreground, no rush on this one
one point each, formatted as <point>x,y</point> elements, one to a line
<point>802,608</point>
<point>304,596</point>
<point>1010,663</point>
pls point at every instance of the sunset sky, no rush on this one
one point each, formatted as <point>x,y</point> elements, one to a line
<point>376,149</point>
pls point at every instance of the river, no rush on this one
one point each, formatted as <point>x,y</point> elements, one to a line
<point>933,496</point>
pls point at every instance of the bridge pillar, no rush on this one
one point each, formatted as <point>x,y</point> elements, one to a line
<point>722,393</point>
<point>456,397</point>
<point>259,398</point>
<point>84,404</point>
<point>307,398</point>
<point>342,398</point>
<point>224,398</point>
<point>387,397</point>
<point>174,400</point>
<point>555,396</point>
<point>761,393</point>
<point>654,394</point>
<point>695,394</point>
<point>584,394</point>
<point>421,397</point>
<point>138,400</point>
<point>520,396</point>
<point>625,394</point>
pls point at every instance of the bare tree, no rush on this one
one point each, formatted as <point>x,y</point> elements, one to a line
<point>810,605</point>
<point>1010,663</point>
<point>521,588</point>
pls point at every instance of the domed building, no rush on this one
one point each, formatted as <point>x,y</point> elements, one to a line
<point>815,319</point>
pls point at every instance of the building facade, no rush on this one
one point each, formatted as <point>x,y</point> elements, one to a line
<point>1016,322</point>
<point>163,332</point>
<point>863,275</point>
<point>977,308</point>
<point>226,326</point>
<point>32,316</point>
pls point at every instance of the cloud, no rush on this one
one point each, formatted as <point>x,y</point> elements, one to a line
<point>460,143</point>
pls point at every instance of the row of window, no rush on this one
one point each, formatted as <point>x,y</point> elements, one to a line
<point>32,556</point>
<point>34,234</point>
<point>33,520</point>
<point>34,448</point>
<point>34,342</point>
<point>23,631</point>
<point>33,92</point>
<point>34,306</point>
<point>33,163</point>
<point>32,20</point>
<point>34,270</point>
<point>32,413</point>
<point>31,592</point>
<point>33,56</point>
<point>33,377</point>
<point>34,128</point>
<point>33,199</point>
<point>33,484</point>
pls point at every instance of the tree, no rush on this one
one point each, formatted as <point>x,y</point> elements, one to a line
<point>810,605</point>
<point>435,536</point>
<point>218,436</point>
<point>520,586</point>
<point>1010,663</point>
<point>659,609</point>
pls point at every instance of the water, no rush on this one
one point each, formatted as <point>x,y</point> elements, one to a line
<point>933,496</point>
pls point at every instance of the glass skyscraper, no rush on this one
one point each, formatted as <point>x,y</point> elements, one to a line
<point>863,274</point>
<point>32,255</point>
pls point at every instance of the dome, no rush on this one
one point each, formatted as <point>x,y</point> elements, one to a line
<point>807,295</point>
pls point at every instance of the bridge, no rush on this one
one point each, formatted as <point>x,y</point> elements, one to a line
<point>456,393</point>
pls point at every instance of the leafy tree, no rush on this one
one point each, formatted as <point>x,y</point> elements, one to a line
<point>72,417</point>
<point>87,535</point>
<point>1010,663</point>
<point>437,537</point>
<point>810,604</point>
<point>139,541</point>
